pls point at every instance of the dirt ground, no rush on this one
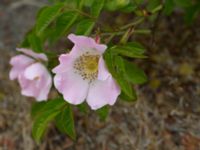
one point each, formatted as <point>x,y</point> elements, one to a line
<point>165,117</point>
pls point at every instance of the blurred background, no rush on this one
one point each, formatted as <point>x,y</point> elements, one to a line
<point>165,117</point>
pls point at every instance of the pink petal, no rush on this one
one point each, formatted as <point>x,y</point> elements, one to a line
<point>27,87</point>
<point>81,40</point>
<point>103,73</point>
<point>67,82</point>
<point>36,81</point>
<point>31,88</point>
<point>29,52</point>
<point>65,61</point>
<point>44,84</point>
<point>72,86</point>
<point>84,43</point>
<point>35,70</point>
<point>102,93</point>
<point>19,63</point>
<point>13,74</point>
<point>100,47</point>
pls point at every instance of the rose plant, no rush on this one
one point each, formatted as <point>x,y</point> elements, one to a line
<point>99,68</point>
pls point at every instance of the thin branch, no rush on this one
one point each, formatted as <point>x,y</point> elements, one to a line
<point>132,24</point>
<point>138,31</point>
<point>80,12</point>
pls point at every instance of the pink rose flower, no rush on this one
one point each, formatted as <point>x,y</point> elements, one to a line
<point>82,74</point>
<point>33,77</point>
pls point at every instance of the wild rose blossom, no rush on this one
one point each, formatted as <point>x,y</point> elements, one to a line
<point>82,74</point>
<point>33,77</point>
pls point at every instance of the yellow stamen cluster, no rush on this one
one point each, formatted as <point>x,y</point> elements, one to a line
<point>87,66</point>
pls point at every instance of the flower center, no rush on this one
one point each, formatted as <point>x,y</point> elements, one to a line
<point>87,66</point>
<point>36,78</point>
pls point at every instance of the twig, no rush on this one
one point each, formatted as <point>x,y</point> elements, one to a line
<point>80,12</point>
<point>132,24</point>
<point>139,31</point>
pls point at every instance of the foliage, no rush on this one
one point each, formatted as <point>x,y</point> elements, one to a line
<point>82,17</point>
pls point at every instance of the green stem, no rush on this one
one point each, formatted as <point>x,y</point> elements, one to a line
<point>80,12</point>
<point>132,24</point>
<point>122,30</point>
<point>142,31</point>
<point>84,14</point>
<point>138,31</point>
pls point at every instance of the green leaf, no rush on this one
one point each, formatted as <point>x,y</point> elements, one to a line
<point>41,10</point>
<point>88,3</point>
<point>113,5</point>
<point>169,6</point>
<point>69,3</point>
<point>134,74</point>
<point>65,122</point>
<point>139,2</point>
<point>37,108</point>
<point>124,97</point>
<point>41,123</point>
<point>108,57</point>
<point>156,9</point>
<point>129,8</point>
<point>119,63</point>
<point>47,16</point>
<point>54,104</point>
<point>35,42</point>
<point>137,47</point>
<point>96,7</point>
<point>133,50</point>
<point>63,24</point>
<point>43,114</point>
<point>25,43</point>
<point>117,72</point>
<point>126,87</point>
<point>83,108</point>
<point>79,3</point>
<point>154,6</point>
<point>84,27</point>
<point>126,36</point>
<point>183,3</point>
<point>103,113</point>
<point>191,13</point>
